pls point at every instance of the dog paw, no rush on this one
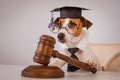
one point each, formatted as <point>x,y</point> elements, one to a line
<point>91,63</point>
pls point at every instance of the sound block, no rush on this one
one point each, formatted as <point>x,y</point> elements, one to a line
<point>37,71</point>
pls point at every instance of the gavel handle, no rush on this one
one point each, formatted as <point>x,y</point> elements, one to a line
<point>74,62</point>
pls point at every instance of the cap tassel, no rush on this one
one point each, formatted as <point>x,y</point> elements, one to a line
<point>51,20</point>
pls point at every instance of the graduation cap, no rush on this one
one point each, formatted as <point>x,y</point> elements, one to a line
<point>69,11</point>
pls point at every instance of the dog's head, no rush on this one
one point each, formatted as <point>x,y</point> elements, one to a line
<point>70,27</point>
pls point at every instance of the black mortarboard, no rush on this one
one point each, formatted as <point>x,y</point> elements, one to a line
<point>69,12</point>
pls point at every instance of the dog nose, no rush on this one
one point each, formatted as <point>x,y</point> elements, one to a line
<point>61,36</point>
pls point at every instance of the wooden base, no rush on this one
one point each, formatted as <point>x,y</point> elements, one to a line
<point>36,71</point>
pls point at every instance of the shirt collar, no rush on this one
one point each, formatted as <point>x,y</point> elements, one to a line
<point>83,44</point>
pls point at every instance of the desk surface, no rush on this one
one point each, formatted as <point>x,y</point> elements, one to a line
<point>13,72</point>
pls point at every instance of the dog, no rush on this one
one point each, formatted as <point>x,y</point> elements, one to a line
<point>72,33</point>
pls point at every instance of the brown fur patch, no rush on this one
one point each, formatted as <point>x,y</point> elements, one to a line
<point>79,27</point>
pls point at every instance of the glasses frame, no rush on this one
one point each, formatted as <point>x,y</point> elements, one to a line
<point>66,28</point>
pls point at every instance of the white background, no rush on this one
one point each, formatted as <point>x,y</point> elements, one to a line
<point>22,22</point>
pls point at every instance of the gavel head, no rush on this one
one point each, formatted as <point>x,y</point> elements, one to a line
<point>44,50</point>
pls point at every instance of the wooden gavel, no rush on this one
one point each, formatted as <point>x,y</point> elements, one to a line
<point>45,51</point>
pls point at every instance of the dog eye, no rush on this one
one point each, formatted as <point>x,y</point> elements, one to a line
<point>72,24</point>
<point>58,25</point>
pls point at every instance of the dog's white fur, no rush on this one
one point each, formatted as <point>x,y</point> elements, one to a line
<point>81,42</point>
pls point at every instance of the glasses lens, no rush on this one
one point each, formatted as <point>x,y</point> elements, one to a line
<point>54,28</point>
<point>71,29</point>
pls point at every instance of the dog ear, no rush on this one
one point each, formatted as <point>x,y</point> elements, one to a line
<point>86,23</point>
<point>57,20</point>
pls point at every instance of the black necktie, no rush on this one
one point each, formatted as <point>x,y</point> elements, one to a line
<point>72,68</point>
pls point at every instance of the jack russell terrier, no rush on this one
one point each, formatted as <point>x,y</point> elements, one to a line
<point>72,33</point>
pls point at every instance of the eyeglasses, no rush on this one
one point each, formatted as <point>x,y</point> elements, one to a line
<point>71,28</point>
